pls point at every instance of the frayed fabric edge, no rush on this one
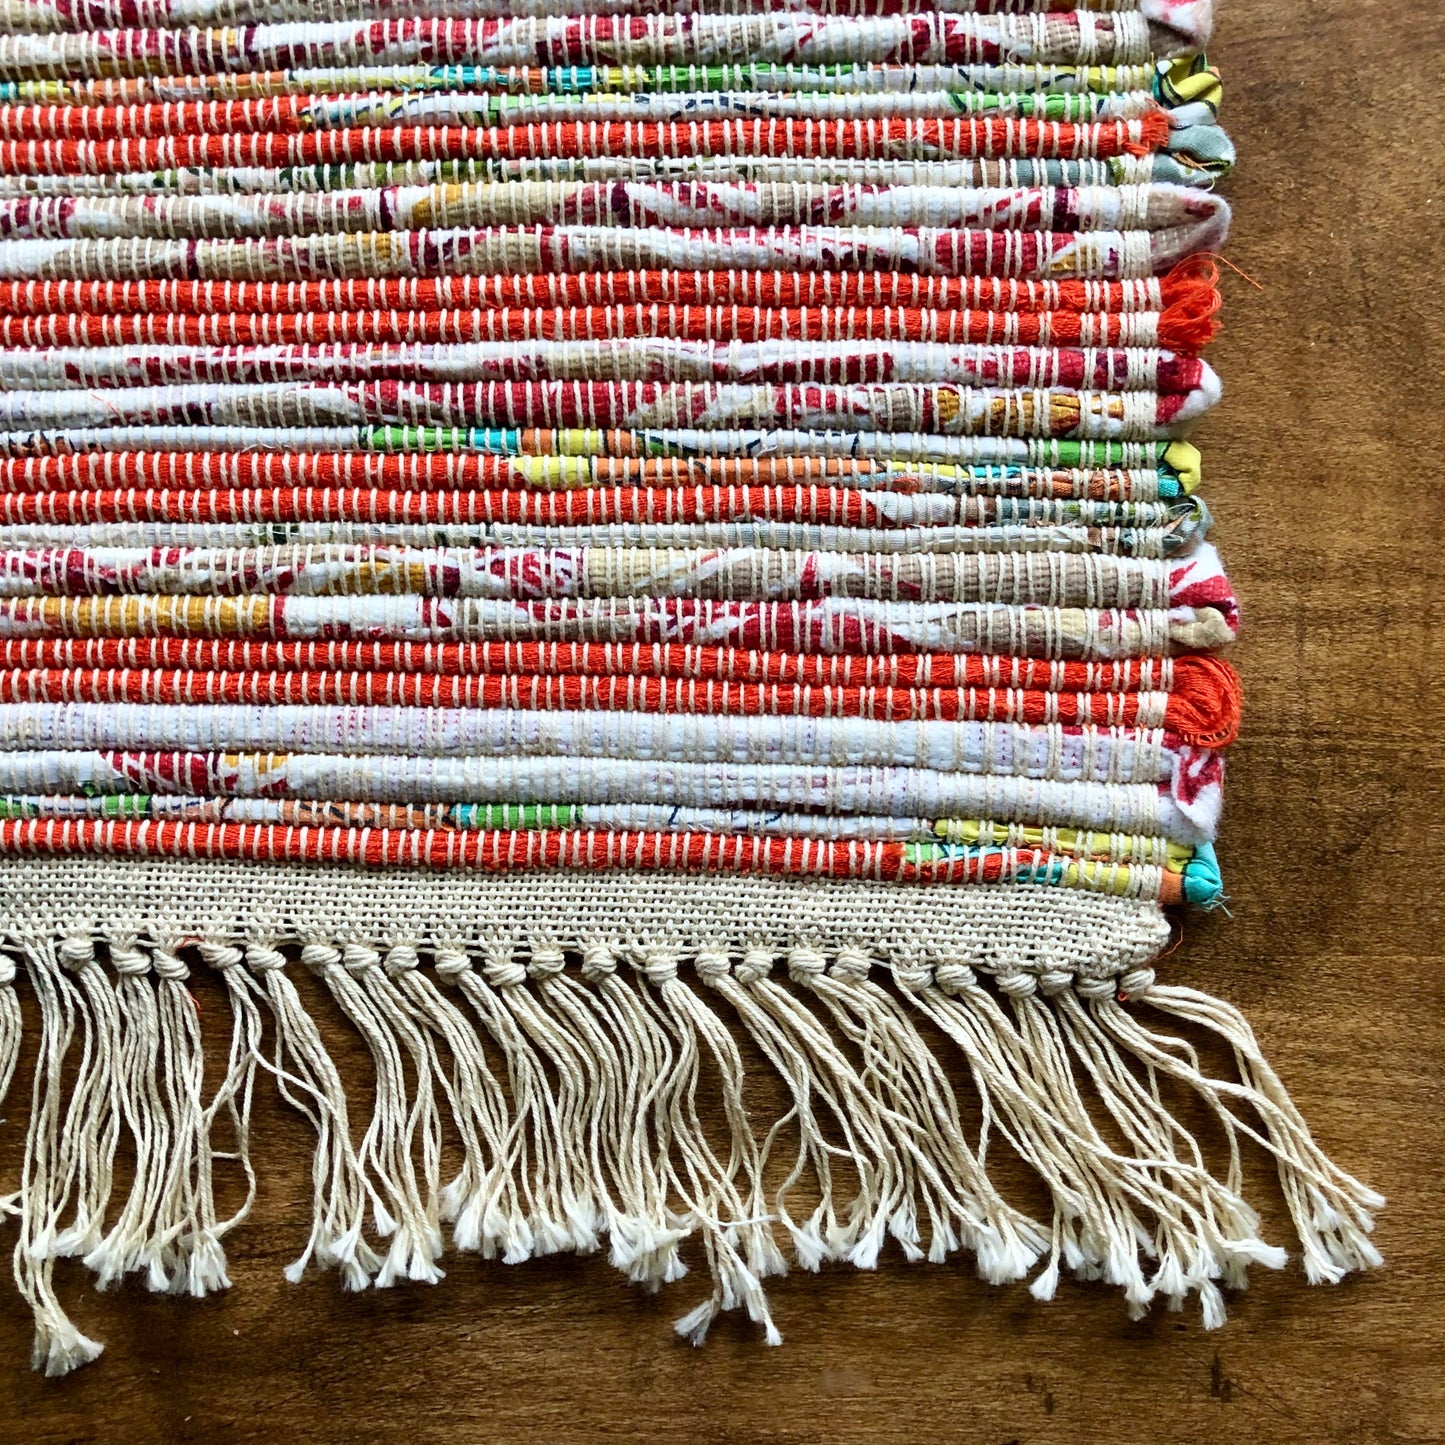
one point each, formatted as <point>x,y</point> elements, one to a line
<point>561,1037</point>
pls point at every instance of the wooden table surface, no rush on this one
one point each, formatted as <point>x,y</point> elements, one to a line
<point>1322,470</point>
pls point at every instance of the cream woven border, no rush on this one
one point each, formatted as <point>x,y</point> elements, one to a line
<point>1004,929</point>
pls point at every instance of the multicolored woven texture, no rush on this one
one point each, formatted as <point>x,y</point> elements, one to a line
<point>552,516</point>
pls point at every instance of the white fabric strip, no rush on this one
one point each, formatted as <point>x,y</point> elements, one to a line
<point>1052,750</point>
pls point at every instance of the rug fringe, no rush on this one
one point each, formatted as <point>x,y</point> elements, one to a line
<point>593,1133</point>
<point>10,1026</point>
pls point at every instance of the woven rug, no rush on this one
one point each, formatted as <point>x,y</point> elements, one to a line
<point>652,552</point>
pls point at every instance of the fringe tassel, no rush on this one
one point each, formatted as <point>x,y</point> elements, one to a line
<point>138,1241</point>
<point>736,1258</point>
<point>593,1127</point>
<point>644,1234</point>
<point>340,1188</point>
<point>555,1217</point>
<point>88,1154</point>
<point>10,1026</point>
<point>45,1186</point>
<point>404,1211</point>
<point>234,1096</point>
<point>647,1249</point>
<point>964,1209</point>
<point>1331,1210</point>
<point>478,1107</point>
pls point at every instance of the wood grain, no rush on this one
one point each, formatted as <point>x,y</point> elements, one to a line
<point>1322,471</point>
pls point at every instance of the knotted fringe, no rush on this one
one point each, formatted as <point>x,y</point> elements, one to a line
<point>9,1050</point>
<point>139,1071</point>
<point>619,1118</point>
